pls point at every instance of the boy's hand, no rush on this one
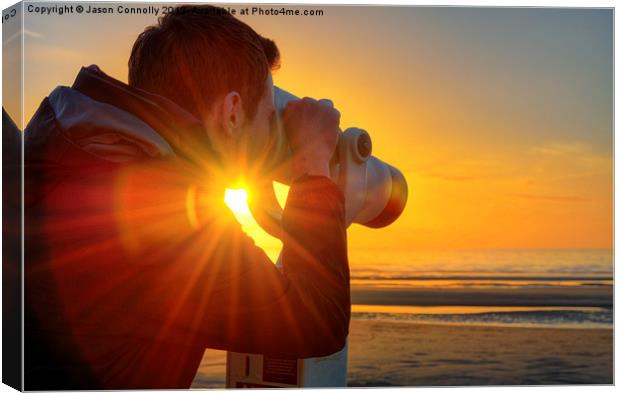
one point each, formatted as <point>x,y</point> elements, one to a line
<point>312,128</point>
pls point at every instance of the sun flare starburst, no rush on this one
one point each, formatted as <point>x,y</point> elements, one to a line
<point>237,201</point>
<point>236,198</point>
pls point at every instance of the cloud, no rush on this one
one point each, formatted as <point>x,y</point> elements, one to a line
<point>575,151</point>
<point>563,149</point>
<point>459,169</point>
<point>52,54</point>
<point>551,198</point>
<point>26,32</point>
<point>449,177</point>
<point>572,160</point>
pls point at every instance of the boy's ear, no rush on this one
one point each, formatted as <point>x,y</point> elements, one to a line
<point>232,115</point>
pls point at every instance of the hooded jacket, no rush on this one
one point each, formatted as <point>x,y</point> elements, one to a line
<point>133,263</point>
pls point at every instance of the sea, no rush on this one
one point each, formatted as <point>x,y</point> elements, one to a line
<point>572,288</point>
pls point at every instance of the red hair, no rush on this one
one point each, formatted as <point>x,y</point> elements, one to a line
<point>197,54</point>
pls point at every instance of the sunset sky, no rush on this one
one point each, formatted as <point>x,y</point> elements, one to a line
<point>500,119</point>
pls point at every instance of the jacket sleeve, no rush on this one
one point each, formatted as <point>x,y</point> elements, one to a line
<point>299,312</point>
<point>129,255</point>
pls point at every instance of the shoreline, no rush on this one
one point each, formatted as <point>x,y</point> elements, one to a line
<point>538,296</point>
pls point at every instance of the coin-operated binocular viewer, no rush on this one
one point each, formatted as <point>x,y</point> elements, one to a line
<point>375,196</point>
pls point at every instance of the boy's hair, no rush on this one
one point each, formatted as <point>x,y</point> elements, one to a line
<point>196,54</point>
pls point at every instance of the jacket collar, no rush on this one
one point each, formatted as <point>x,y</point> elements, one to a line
<point>183,132</point>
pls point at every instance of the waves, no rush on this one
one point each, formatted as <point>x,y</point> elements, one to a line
<point>574,317</point>
<point>541,288</point>
<point>478,280</point>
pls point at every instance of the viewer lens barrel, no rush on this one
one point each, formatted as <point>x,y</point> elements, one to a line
<point>375,192</point>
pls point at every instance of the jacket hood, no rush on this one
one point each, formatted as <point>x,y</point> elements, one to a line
<point>119,123</point>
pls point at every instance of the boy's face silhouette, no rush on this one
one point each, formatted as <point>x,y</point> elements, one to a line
<point>260,127</point>
<point>248,143</point>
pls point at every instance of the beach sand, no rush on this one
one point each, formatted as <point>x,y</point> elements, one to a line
<point>386,353</point>
<point>392,353</point>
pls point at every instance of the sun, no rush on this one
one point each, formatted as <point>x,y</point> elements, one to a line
<point>236,198</point>
<point>237,201</point>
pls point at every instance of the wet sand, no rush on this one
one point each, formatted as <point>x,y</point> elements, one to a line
<point>412,354</point>
<point>392,353</point>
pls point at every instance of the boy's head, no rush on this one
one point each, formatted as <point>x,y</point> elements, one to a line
<point>214,66</point>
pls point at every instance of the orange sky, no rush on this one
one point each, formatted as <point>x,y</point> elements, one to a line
<point>501,120</point>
